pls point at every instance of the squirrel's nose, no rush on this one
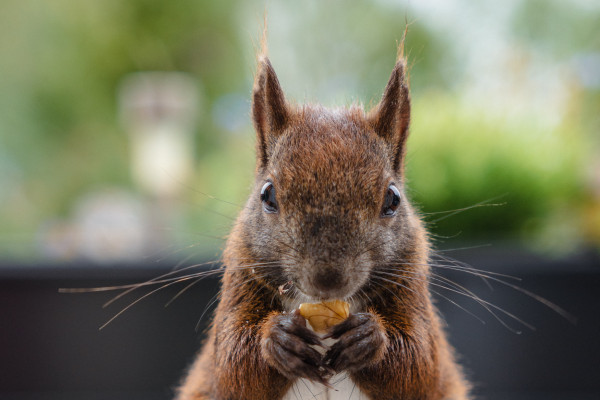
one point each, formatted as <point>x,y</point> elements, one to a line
<point>328,279</point>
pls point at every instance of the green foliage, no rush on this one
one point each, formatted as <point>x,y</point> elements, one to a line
<point>62,62</point>
<point>515,171</point>
<point>555,26</point>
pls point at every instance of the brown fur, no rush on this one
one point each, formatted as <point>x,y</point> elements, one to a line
<point>331,170</point>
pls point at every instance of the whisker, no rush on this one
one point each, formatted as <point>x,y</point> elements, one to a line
<point>554,307</point>
<point>119,287</point>
<point>479,246</point>
<point>194,190</point>
<point>181,279</point>
<point>140,299</point>
<point>457,305</point>
<point>366,297</point>
<point>182,262</point>
<point>215,298</point>
<point>451,213</point>
<point>373,247</point>
<point>485,304</point>
<point>185,289</point>
<point>212,301</point>
<point>458,264</point>
<point>167,282</point>
<point>444,237</point>
<point>471,270</point>
<point>294,249</point>
<point>175,250</point>
<point>394,283</point>
<point>132,288</point>
<point>483,276</point>
<point>158,279</point>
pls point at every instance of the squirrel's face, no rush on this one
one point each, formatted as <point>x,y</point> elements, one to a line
<point>328,206</point>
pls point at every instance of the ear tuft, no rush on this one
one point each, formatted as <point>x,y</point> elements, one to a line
<point>400,47</point>
<point>391,117</point>
<point>264,45</point>
<point>270,112</point>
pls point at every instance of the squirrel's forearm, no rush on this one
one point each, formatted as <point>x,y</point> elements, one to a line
<point>417,364</point>
<point>409,369</point>
<point>244,370</point>
<point>231,364</point>
<point>409,364</point>
<point>239,363</point>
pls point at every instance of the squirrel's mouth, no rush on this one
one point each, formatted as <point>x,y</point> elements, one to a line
<point>325,281</point>
<point>340,291</point>
<point>293,295</point>
<point>317,281</point>
<point>317,297</point>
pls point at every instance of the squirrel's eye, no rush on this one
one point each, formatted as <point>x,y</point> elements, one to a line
<point>267,196</point>
<point>391,201</point>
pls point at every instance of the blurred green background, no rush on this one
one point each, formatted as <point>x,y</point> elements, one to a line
<point>506,116</point>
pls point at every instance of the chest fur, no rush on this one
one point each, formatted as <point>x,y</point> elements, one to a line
<point>343,389</point>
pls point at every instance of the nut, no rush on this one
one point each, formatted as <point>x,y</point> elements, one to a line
<point>324,315</point>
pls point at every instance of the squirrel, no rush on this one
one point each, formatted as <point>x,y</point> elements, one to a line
<point>327,218</point>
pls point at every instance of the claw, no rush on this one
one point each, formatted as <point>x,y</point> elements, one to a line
<point>288,348</point>
<point>359,339</point>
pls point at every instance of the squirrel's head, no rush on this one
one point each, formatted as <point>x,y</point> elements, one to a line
<point>329,205</point>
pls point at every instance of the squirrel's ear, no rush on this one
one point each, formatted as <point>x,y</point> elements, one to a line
<point>270,112</point>
<point>390,118</point>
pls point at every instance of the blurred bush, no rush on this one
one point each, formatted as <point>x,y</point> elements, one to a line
<point>479,177</point>
<point>63,61</point>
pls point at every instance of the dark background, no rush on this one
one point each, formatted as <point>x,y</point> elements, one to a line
<point>51,348</point>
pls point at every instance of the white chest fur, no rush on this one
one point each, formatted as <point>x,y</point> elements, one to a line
<point>343,389</point>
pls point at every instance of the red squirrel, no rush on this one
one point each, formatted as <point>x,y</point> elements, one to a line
<point>328,218</point>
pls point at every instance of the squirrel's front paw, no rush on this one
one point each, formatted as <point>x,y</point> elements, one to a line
<point>286,347</point>
<point>362,342</point>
